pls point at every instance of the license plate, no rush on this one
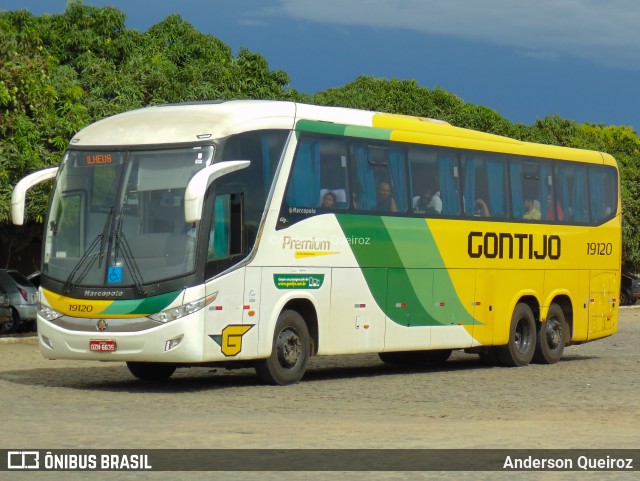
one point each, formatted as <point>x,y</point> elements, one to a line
<point>102,345</point>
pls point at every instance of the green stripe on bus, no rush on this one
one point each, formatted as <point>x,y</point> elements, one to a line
<point>150,305</point>
<point>331,128</point>
<point>421,257</point>
<point>398,263</point>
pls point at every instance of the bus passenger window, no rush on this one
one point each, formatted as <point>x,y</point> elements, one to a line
<point>225,236</point>
<point>531,187</point>
<point>433,181</point>
<point>572,192</point>
<point>320,167</point>
<point>485,185</point>
<point>218,246</point>
<point>603,193</point>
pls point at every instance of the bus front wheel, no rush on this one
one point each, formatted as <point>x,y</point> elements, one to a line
<point>522,338</point>
<point>289,352</point>
<point>551,337</point>
<point>151,371</point>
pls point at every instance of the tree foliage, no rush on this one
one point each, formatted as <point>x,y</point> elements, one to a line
<point>407,97</point>
<point>61,72</point>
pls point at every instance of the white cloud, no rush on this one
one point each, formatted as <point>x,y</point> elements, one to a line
<point>604,31</point>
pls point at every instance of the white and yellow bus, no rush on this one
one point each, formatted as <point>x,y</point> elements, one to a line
<point>260,233</point>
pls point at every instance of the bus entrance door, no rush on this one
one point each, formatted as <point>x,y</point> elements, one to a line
<point>603,295</point>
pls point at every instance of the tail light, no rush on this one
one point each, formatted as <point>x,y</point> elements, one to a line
<point>23,293</point>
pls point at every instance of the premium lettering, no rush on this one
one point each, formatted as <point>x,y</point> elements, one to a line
<point>312,244</point>
<point>504,245</point>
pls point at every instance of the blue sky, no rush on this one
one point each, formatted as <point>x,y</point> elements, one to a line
<point>526,59</point>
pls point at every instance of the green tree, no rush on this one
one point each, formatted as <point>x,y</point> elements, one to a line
<point>59,73</point>
<point>62,72</point>
<point>624,145</point>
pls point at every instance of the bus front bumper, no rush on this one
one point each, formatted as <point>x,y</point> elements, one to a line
<point>179,341</point>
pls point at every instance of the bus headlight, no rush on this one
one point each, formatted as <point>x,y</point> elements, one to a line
<point>47,313</point>
<point>174,313</point>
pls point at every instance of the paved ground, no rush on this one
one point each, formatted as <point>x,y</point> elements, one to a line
<point>591,399</point>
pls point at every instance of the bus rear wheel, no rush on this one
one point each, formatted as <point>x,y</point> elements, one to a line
<point>289,352</point>
<point>151,371</point>
<point>551,337</point>
<point>522,338</point>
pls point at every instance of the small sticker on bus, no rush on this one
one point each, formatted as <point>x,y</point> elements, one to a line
<point>297,281</point>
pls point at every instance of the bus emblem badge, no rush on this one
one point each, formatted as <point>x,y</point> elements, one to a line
<point>102,325</point>
<point>230,341</point>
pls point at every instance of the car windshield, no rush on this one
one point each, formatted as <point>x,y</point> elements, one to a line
<point>119,215</point>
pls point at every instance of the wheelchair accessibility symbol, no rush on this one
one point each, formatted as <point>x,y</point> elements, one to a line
<point>114,275</point>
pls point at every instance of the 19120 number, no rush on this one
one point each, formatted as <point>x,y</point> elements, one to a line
<point>599,248</point>
<point>80,308</point>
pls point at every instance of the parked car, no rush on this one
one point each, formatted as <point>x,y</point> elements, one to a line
<point>629,289</point>
<point>5,309</point>
<point>34,278</point>
<point>23,299</point>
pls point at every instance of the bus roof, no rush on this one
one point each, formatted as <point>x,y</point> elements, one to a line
<point>198,121</point>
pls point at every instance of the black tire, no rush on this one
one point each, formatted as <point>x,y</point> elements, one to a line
<point>405,358</point>
<point>551,337</point>
<point>522,338</point>
<point>290,351</point>
<point>13,325</point>
<point>625,298</point>
<point>151,371</point>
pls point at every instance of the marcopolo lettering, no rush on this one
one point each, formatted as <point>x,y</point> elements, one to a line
<point>94,293</point>
<point>504,245</point>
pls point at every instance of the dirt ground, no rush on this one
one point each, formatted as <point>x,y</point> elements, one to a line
<point>591,399</point>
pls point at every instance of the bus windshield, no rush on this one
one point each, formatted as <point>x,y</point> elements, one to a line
<point>117,217</point>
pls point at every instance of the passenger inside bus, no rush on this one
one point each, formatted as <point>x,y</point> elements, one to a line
<point>329,200</point>
<point>333,199</point>
<point>386,202</point>
<point>559,211</point>
<point>482,209</point>
<point>429,202</point>
<point>530,210</point>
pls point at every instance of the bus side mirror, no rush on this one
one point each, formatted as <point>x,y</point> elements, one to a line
<point>199,183</point>
<point>19,194</point>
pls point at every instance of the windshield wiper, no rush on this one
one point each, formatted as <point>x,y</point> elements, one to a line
<point>121,244</point>
<point>89,257</point>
